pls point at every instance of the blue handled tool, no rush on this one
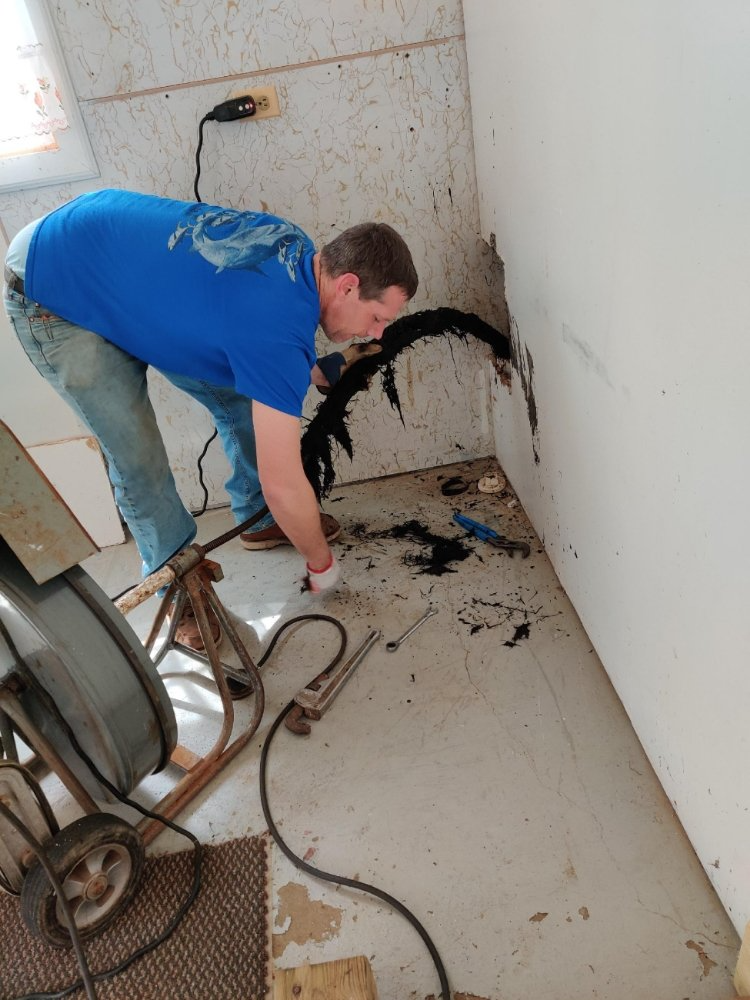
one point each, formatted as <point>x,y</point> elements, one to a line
<point>489,535</point>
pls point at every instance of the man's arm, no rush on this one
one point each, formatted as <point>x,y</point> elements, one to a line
<point>287,490</point>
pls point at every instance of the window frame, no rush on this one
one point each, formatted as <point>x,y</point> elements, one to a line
<point>74,160</point>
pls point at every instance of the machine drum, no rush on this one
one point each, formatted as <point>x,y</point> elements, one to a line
<point>85,671</point>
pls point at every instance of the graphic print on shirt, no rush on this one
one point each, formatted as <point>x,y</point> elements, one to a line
<point>229,238</point>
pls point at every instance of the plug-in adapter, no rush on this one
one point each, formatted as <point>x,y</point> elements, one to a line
<point>234,109</point>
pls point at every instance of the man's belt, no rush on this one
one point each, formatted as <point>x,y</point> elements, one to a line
<point>14,283</point>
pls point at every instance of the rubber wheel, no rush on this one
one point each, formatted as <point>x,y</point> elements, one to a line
<point>99,861</point>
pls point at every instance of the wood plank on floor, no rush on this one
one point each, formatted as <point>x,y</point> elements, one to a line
<point>742,972</point>
<point>344,979</point>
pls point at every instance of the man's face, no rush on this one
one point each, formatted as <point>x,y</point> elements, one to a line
<point>348,315</point>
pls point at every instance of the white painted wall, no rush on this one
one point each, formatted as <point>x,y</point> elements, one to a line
<point>613,164</point>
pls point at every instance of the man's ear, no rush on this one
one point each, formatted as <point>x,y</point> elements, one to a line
<point>347,283</point>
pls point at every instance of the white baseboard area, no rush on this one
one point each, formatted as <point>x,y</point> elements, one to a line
<point>76,469</point>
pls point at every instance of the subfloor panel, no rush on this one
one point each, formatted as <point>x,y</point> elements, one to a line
<point>485,774</point>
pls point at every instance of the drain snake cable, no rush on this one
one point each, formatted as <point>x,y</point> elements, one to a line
<point>299,862</point>
<point>87,978</point>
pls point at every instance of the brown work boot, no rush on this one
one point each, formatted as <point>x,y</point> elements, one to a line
<point>269,538</point>
<point>187,632</point>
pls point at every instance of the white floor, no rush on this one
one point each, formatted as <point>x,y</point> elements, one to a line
<point>486,777</point>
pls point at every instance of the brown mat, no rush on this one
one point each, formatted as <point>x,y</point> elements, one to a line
<point>220,950</point>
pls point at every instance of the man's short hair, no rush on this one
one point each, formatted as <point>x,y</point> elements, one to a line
<point>376,254</point>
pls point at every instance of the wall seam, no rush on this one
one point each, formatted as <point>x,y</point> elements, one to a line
<point>290,68</point>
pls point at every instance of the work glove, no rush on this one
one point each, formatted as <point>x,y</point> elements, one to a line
<point>318,580</point>
<point>334,365</point>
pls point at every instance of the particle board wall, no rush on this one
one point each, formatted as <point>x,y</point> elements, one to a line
<point>375,124</point>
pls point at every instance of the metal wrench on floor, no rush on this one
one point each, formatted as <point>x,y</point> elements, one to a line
<point>395,643</point>
<point>314,699</point>
<point>489,535</point>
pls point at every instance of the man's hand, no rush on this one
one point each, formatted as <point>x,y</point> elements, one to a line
<point>333,366</point>
<point>318,580</point>
<point>285,486</point>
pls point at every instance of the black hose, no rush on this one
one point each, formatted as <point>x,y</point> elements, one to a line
<point>317,872</point>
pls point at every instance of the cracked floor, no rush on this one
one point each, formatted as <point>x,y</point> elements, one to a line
<point>485,774</point>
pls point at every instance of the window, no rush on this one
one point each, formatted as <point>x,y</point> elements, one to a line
<point>42,136</point>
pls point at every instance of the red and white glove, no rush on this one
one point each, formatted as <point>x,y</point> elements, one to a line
<point>319,580</point>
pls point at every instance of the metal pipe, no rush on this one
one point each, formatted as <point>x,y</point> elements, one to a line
<point>147,588</point>
<point>8,748</point>
<point>194,587</point>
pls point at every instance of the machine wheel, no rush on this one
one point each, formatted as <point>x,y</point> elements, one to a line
<point>99,860</point>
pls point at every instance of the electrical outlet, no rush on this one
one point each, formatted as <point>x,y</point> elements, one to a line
<point>266,100</point>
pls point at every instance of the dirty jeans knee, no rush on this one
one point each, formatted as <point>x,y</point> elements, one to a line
<point>107,389</point>
<point>232,416</point>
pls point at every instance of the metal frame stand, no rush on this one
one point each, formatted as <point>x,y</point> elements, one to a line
<point>48,540</point>
<point>189,576</point>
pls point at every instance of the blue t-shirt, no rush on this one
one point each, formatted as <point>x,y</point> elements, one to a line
<point>214,293</point>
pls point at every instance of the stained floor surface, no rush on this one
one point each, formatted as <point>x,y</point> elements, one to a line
<point>485,774</point>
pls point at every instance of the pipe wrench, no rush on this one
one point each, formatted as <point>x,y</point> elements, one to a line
<point>485,534</point>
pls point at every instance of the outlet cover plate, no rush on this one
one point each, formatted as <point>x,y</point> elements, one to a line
<point>266,101</point>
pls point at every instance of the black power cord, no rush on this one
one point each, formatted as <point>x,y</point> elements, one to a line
<point>232,110</point>
<point>206,118</point>
<point>297,861</point>
<point>210,117</point>
<point>200,475</point>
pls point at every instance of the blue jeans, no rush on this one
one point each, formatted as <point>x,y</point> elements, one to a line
<point>107,389</point>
